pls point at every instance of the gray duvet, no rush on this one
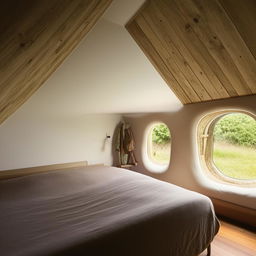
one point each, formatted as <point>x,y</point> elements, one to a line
<point>102,211</point>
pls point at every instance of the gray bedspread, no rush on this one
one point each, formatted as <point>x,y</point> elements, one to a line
<point>102,211</point>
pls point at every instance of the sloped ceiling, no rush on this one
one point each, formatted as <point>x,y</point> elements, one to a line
<point>204,49</point>
<point>35,37</point>
<point>106,73</point>
<point>121,11</point>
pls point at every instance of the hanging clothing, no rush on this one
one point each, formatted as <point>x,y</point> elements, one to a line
<point>125,145</point>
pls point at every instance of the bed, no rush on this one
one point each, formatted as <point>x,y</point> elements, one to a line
<point>99,210</point>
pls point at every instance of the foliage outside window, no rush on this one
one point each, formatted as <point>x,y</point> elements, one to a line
<point>227,143</point>
<point>160,144</point>
<point>234,151</point>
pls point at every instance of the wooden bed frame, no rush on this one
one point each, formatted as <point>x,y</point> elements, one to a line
<point>209,250</point>
<point>9,174</point>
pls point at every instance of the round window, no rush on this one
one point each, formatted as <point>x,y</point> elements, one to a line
<point>158,147</point>
<point>227,146</point>
<point>234,146</point>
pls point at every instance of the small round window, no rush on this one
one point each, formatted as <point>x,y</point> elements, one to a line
<point>159,144</point>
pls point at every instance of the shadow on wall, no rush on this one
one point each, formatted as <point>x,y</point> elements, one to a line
<point>114,140</point>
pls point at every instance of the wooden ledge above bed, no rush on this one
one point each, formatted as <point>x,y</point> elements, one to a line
<point>9,174</point>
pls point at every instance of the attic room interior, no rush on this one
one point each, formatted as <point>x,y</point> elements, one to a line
<point>128,127</point>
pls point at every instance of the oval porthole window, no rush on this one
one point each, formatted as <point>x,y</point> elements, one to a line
<point>227,146</point>
<point>158,147</point>
<point>234,146</point>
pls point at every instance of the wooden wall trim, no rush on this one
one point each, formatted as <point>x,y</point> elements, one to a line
<point>35,38</point>
<point>9,174</point>
<point>236,212</point>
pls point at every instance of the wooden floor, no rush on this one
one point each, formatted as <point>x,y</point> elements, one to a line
<point>233,241</point>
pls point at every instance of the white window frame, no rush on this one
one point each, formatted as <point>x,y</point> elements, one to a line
<point>149,163</point>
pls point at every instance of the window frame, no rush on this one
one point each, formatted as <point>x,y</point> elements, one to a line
<point>152,165</point>
<point>205,141</point>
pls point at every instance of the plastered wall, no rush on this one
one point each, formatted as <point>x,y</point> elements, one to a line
<point>68,117</point>
<point>185,169</point>
<point>28,139</point>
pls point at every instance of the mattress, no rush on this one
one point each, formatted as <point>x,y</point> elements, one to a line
<point>102,211</point>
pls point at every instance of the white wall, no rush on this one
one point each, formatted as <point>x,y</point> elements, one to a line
<point>185,169</point>
<point>63,121</point>
<point>107,73</point>
<point>121,11</point>
<point>28,139</point>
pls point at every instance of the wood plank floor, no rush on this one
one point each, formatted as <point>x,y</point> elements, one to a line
<point>233,241</point>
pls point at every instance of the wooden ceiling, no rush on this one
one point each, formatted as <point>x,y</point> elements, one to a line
<point>35,38</point>
<point>204,49</point>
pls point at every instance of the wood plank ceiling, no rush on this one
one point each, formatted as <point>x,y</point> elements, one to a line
<point>204,49</point>
<point>35,38</point>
